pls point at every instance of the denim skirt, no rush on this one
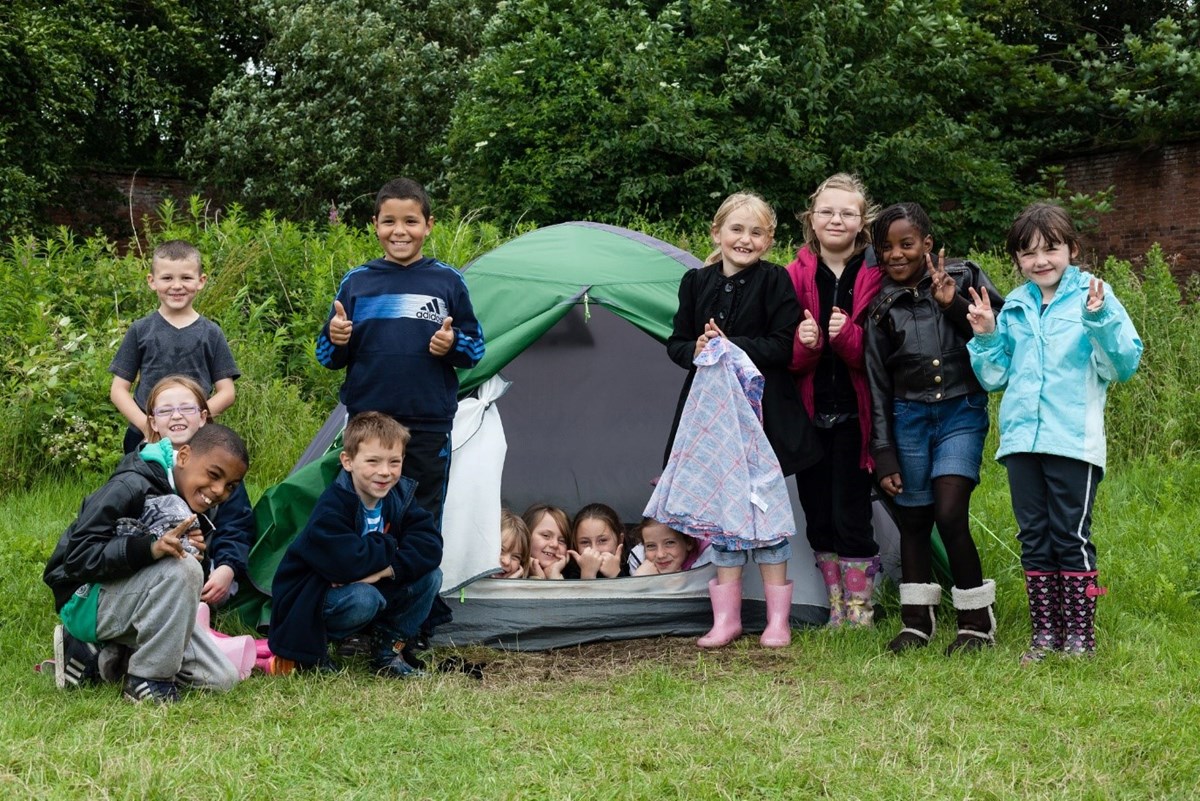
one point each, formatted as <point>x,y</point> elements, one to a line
<point>938,439</point>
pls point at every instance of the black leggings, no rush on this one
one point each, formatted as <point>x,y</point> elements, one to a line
<point>951,502</point>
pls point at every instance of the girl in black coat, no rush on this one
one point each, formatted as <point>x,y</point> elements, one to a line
<point>750,302</point>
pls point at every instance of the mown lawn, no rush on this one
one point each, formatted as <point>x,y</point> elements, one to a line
<point>832,716</point>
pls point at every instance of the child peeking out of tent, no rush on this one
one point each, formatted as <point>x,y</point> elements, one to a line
<point>366,561</point>
<point>514,546</point>
<point>664,550</point>
<point>548,529</point>
<point>597,544</point>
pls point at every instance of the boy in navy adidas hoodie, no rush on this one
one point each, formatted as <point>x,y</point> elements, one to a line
<point>399,326</point>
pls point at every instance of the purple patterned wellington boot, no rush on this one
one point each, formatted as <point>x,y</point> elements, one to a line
<point>1045,615</point>
<point>831,574</point>
<point>1079,593</point>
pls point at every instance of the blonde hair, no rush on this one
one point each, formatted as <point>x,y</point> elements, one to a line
<point>511,523</point>
<point>847,182</point>
<point>162,386</point>
<point>736,202</point>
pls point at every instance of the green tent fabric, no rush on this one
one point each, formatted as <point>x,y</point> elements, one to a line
<point>279,515</point>
<point>519,291</point>
<point>522,288</point>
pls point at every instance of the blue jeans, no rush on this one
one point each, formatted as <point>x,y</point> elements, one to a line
<point>938,439</point>
<point>775,554</point>
<point>353,607</point>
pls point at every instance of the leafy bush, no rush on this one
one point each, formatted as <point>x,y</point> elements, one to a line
<point>105,82</point>
<point>69,302</point>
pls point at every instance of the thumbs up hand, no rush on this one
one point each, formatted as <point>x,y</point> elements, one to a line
<point>836,320</point>
<point>443,338</point>
<point>340,326</point>
<point>808,332</point>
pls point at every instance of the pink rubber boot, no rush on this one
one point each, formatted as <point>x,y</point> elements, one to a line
<point>778,633</point>
<point>727,614</point>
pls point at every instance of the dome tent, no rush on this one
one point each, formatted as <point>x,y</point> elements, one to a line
<point>575,315</point>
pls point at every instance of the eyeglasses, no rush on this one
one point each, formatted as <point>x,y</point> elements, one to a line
<point>829,214</point>
<point>166,412</point>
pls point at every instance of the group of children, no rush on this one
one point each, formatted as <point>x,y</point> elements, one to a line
<point>544,543</point>
<point>875,358</point>
<point>893,351</point>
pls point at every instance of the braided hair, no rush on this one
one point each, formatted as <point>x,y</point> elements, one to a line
<point>900,211</point>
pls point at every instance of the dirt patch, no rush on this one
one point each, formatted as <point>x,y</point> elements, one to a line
<point>606,660</point>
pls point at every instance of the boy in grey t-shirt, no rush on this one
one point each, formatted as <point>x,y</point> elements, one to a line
<point>173,340</point>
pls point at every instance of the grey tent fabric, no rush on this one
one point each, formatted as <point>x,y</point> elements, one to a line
<point>586,419</point>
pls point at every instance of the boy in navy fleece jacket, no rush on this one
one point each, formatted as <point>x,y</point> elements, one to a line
<point>399,326</point>
<point>367,560</point>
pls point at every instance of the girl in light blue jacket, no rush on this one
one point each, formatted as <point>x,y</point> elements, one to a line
<point>1055,346</point>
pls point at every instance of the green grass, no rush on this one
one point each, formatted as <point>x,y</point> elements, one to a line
<point>831,716</point>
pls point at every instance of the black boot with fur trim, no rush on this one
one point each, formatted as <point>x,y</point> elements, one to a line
<point>918,613</point>
<point>976,623</point>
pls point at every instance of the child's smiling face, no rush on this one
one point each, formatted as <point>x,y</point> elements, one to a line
<point>837,217</point>
<point>511,557</point>
<point>374,469</point>
<point>547,542</point>
<point>176,415</point>
<point>206,479</point>
<point>176,282</point>
<point>743,239</point>
<point>595,533</point>
<point>1044,264</point>
<point>401,228</point>
<point>665,547</point>
<point>903,253</point>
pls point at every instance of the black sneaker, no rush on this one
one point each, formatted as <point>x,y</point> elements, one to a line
<point>138,689</point>
<point>76,663</point>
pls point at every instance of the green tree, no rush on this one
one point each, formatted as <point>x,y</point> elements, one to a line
<point>346,94</point>
<point>1143,92</point>
<point>614,110</point>
<point>1054,25</point>
<point>108,83</point>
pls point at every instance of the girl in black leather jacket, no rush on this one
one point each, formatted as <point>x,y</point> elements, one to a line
<point>929,420</point>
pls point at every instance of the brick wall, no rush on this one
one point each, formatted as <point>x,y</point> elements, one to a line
<point>1156,199</point>
<point>112,202</point>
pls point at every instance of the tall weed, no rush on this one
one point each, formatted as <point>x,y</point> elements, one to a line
<point>68,301</point>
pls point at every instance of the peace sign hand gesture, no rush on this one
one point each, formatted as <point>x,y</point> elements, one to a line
<point>944,289</point>
<point>1095,298</point>
<point>979,313</point>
